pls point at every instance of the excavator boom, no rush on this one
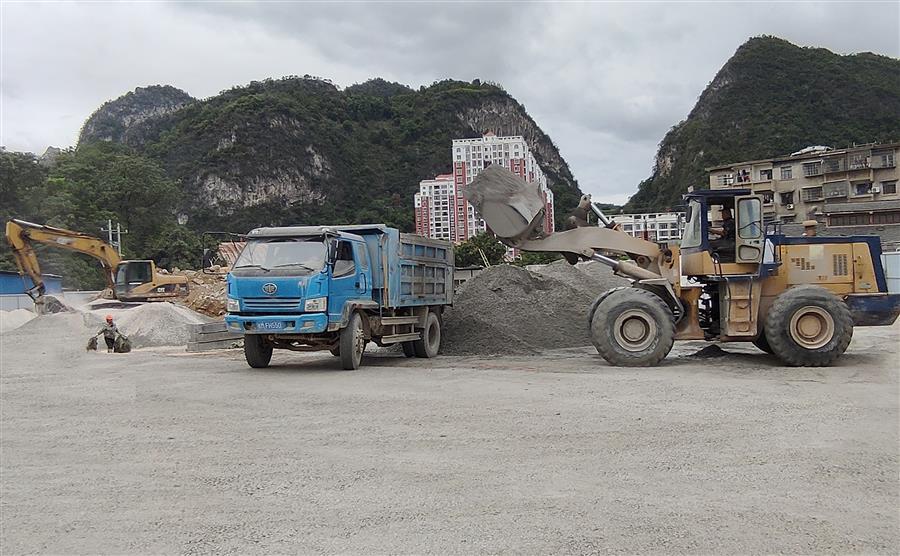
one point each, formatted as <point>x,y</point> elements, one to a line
<point>21,235</point>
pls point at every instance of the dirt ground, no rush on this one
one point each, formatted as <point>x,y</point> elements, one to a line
<point>158,451</point>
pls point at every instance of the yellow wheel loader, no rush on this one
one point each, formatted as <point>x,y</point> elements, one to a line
<point>795,297</point>
<point>133,280</point>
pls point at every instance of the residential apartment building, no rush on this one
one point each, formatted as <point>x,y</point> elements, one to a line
<point>441,208</point>
<point>658,227</point>
<point>850,191</point>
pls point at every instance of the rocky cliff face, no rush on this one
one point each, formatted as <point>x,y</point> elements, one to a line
<point>772,98</point>
<point>298,150</point>
<point>117,119</point>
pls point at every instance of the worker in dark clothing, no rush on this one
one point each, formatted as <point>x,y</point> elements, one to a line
<point>109,331</point>
<point>725,244</point>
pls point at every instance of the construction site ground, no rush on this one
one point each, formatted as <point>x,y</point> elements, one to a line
<point>159,451</point>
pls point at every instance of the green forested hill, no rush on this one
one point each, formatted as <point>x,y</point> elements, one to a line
<point>301,151</point>
<point>773,98</point>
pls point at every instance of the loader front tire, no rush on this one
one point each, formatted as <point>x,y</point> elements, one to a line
<point>762,343</point>
<point>807,326</point>
<point>633,328</point>
<point>257,351</point>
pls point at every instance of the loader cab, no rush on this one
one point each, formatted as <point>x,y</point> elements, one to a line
<point>723,233</point>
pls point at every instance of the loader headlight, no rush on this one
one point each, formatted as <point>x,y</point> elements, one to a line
<point>233,306</point>
<point>316,305</point>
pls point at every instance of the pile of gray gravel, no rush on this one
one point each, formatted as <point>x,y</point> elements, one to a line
<point>511,310</point>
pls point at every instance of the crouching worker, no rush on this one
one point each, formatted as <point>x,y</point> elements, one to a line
<point>109,331</point>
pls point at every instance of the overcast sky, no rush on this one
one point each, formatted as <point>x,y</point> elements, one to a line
<point>604,80</point>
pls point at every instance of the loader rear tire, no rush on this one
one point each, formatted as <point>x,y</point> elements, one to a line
<point>257,351</point>
<point>430,343</point>
<point>807,326</point>
<point>633,328</point>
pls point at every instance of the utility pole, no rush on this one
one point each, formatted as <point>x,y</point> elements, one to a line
<point>114,234</point>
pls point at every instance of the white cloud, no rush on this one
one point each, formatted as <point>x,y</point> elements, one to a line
<point>605,81</point>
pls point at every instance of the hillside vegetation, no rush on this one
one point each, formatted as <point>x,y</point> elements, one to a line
<point>773,98</point>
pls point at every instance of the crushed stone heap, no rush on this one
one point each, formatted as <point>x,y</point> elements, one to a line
<point>511,310</point>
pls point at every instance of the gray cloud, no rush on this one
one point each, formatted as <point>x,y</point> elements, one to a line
<point>606,81</point>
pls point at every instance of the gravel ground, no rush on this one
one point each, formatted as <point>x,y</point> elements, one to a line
<point>160,452</point>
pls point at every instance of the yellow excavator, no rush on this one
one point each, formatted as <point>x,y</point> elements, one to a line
<point>132,280</point>
<point>795,297</point>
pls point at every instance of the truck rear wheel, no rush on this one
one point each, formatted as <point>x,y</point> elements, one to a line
<point>807,326</point>
<point>352,343</point>
<point>257,351</point>
<point>633,328</point>
<point>409,349</point>
<point>430,343</point>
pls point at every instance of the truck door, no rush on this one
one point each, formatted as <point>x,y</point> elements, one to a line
<point>749,237</point>
<point>344,279</point>
<point>363,275</point>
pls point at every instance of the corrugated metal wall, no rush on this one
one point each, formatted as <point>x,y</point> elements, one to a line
<point>892,270</point>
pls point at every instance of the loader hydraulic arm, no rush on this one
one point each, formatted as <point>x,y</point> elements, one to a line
<point>21,236</point>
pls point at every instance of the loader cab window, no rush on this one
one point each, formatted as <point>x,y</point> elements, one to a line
<point>693,229</point>
<point>344,265</point>
<point>722,234</point>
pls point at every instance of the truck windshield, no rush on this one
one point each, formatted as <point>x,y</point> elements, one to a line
<point>293,254</point>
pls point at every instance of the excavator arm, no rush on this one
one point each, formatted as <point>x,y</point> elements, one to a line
<point>22,236</point>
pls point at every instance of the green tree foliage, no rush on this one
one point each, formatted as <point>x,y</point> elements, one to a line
<point>528,258</point>
<point>84,189</point>
<point>467,253</point>
<point>772,98</point>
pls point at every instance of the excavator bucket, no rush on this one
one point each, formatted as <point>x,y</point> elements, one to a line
<point>512,208</point>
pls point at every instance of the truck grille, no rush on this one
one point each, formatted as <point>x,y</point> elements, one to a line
<point>264,303</point>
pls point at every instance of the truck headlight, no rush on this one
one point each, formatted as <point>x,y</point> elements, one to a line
<point>316,305</point>
<point>233,306</point>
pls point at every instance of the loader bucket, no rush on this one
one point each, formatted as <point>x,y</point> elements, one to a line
<point>512,208</point>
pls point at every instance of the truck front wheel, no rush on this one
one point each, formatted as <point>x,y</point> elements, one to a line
<point>430,342</point>
<point>257,351</point>
<point>352,343</point>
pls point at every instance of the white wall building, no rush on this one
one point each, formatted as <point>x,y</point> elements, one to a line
<point>434,205</point>
<point>652,226</point>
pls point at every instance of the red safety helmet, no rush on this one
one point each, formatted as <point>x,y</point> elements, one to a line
<point>109,318</point>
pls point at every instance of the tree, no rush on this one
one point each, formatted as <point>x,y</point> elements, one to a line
<point>528,258</point>
<point>467,253</point>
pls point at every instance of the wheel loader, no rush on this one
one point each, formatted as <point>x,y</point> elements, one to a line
<point>132,280</point>
<point>795,297</point>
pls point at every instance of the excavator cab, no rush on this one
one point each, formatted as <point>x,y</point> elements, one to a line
<point>723,233</point>
<point>132,274</point>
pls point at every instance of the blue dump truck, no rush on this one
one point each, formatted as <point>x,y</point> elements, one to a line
<point>308,288</point>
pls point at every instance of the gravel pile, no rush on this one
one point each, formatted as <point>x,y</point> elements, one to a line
<point>511,310</point>
<point>10,320</point>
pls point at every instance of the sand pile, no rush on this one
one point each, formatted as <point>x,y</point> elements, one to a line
<point>511,310</point>
<point>145,324</point>
<point>10,320</point>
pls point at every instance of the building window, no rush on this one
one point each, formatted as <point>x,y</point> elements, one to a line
<point>768,197</point>
<point>886,217</point>
<point>862,188</point>
<point>725,179</point>
<point>765,175</point>
<point>788,219</point>
<point>787,172</point>
<point>812,194</point>
<point>787,198</point>
<point>889,187</point>
<point>812,169</point>
<point>835,164</point>
<point>848,219</point>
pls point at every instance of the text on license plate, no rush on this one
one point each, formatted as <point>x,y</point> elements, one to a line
<point>270,325</point>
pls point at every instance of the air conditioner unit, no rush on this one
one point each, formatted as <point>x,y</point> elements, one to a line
<point>789,207</point>
<point>876,189</point>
